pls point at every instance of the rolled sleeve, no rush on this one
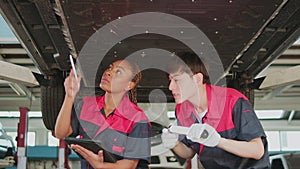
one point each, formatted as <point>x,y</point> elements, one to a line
<point>247,124</point>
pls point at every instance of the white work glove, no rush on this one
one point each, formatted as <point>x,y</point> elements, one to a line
<point>204,134</point>
<point>169,139</point>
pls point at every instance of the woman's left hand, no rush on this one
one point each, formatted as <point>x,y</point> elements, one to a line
<point>96,160</point>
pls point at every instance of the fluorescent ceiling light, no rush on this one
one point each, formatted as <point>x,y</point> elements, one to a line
<point>269,114</point>
<point>17,114</point>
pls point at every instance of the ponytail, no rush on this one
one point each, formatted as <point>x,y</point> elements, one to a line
<point>136,80</point>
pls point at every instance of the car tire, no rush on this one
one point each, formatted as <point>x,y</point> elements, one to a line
<point>52,97</point>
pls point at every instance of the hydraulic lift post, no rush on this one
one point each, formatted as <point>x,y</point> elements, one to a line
<point>22,138</point>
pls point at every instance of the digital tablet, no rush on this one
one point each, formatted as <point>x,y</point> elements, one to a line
<point>91,145</point>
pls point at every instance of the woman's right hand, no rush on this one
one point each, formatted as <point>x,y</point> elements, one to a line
<point>63,122</point>
<point>72,85</point>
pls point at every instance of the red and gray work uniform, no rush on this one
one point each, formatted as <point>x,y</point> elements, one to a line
<point>233,117</point>
<point>125,132</point>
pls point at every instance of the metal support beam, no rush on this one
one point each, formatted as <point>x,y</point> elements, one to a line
<point>275,92</point>
<point>18,74</point>
<point>13,51</point>
<point>280,125</point>
<point>282,78</point>
<point>291,116</point>
<point>278,103</point>
<point>62,155</point>
<point>291,52</point>
<point>22,90</point>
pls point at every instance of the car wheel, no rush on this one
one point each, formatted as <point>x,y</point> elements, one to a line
<point>52,97</point>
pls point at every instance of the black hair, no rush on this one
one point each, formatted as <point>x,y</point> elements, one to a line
<point>136,80</point>
<point>188,62</point>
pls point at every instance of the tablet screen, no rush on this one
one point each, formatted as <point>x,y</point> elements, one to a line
<point>91,145</point>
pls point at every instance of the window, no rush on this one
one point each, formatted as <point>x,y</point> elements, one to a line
<point>52,141</point>
<point>273,140</point>
<point>290,140</point>
<point>283,140</point>
<point>30,138</point>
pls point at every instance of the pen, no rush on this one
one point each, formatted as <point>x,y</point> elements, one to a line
<point>73,66</point>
